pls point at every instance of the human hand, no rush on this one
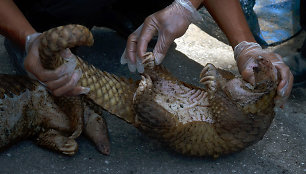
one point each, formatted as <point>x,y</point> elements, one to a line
<point>61,81</point>
<point>169,23</point>
<point>246,52</point>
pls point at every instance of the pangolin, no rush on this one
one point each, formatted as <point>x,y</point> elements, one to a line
<point>27,110</point>
<point>226,115</point>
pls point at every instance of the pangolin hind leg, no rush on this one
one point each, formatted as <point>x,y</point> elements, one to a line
<point>62,122</point>
<point>73,108</point>
<point>54,140</point>
<point>95,129</point>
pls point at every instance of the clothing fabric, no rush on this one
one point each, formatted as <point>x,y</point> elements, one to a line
<point>252,19</point>
<point>303,24</point>
<point>46,14</point>
<point>279,20</point>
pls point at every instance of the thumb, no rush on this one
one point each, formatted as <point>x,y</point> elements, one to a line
<point>248,75</point>
<point>161,48</point>
<point>158,57</point>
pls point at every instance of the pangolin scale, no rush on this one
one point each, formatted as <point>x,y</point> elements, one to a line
<point>224,116</point>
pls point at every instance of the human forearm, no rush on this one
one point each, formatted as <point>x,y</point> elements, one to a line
<point>196,3</point>
<point>230,18</point>
<point>13,24</point>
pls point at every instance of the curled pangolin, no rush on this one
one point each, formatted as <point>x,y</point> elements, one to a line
<point>225,116</point>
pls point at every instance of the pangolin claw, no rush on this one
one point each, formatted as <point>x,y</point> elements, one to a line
<point>148,61</point>
<point>69,148</point>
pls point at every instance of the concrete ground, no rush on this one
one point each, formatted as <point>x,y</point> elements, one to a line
<point>282,150</point>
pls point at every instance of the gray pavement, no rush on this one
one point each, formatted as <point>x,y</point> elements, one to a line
<point>282,150</point>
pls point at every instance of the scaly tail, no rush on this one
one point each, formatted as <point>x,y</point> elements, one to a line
<point>57,39</point>
<point>110,92</point>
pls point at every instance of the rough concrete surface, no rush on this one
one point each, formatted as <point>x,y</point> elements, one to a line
<point>282,150</point>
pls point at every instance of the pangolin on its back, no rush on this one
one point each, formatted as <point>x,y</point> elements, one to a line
<point>225,116</point>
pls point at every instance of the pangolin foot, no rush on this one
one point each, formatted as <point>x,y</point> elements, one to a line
<point>54,140</point>
<point>69,148</point>
<point>145,86</point>
<point>149,61</point>
<point>208,77</point>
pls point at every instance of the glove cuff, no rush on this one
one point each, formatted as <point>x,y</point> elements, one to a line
<point>29,40</point>
<point>244,45</point>
<point>195,15</point>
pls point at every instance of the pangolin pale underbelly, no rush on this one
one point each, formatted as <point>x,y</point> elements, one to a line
<point>225,116</point>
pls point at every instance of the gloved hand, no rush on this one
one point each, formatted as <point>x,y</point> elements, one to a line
<point>59,82</point>
<point>246,52</point>
<point>169,23</point>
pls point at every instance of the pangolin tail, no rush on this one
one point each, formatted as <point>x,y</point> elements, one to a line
<point>108,91</point>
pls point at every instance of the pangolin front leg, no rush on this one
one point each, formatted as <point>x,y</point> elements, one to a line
<point>208,78</point>
<point>151,117</point>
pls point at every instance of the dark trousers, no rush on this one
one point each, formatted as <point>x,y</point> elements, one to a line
<point>303,13</point>
<point>303,24</point>
<point>120,15</point>
<point>46,14</point>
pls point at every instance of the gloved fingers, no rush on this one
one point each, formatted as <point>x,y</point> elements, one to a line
<point>246,69</point>
<point>139,65</point>
<point>129,55</point>
<point>158,57</point>
<point>286,79</point>
<point>149,29</point>
<point>161,48</point>
<point>37,72</point>
<point>248,75</point>
<point>132,67</point>
<point>123,59</point>
<point>68,66</point>
<point>66,53</point>
<point>68,86</point>
<point>131,46</point>
<point>285,85</point>
<point>77,90</point>
<point>54,84</point>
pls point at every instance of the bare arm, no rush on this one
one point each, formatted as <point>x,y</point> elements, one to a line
<point>13,24</point>
<point>16,27</point>
<point>230,18</point>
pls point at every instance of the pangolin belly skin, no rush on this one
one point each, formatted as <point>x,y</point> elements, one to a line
<point>225,116</point>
